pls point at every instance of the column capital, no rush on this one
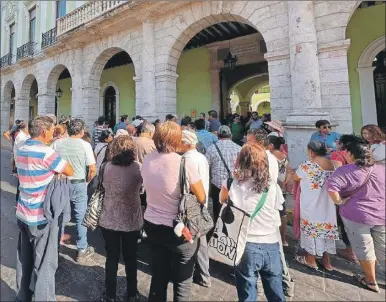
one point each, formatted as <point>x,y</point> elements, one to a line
<point>271,56</point>
<point>333,46</point>
<point>137,79</point>
<point>365,69</point>
<point>166,74</point>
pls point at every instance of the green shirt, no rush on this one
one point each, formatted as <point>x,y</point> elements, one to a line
<point>237,131</point>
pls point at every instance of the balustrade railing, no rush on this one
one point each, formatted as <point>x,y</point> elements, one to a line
<point>49,38</point>
<point>84,14</point>
<point>26,50</point>
<point>6,60</point>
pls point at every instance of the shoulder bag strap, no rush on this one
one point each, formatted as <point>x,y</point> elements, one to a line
<point>222,159</point>
<point>105,146</point>
<point>101,173</point>
<point>362,185</point>
<point>182,177</point>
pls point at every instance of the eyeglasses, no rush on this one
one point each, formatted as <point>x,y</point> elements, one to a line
<point>326,127</point>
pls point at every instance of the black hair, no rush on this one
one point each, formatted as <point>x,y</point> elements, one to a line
<point>21,125</point>
<point>101,120</point>
<point>76,126</point>
<point>362,153</point>
<point>346,139</point>
<point>199,124</point>
<point>213,114</point>
<point>104,135</point>
<point>124,117</point>
<point>321,123</point>
<point>319,148</point>
<point>275,141</point>
<point>169,117</point>
<point>203,114</point>
<point>186,121</point>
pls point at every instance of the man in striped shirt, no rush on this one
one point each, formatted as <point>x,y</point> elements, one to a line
<point>36,166</point>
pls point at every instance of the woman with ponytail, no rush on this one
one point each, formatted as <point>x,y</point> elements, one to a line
<point>359,190</point>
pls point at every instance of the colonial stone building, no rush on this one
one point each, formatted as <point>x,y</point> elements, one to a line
<point>319,59</point>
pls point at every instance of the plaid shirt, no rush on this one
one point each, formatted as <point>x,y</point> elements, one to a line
<point>229,151</point>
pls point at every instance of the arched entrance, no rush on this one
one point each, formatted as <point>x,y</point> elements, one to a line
<point>8,106</point>
<point>109,105</point>
<point>26,104</point>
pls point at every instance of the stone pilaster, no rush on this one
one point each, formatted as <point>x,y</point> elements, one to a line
<point>4,115</point>
<point>22,109</point>
<point>215,85</point>
<point>87,107</point>
<point>46,104</point>
<point>146,104</point>
<point>305,79</point>
<point>166,88</point>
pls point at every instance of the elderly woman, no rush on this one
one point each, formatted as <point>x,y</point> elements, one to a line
<point>256,136</point>
<point>275,128</point>
<point>121,216</point>
<point>376,138</point>
<point>318,225</point>
<point>100,149</point>
<point>359,189</point>
<point>325,135</point>
<point>200,163</point>
<point>257,171</point>
<point>172,257</point>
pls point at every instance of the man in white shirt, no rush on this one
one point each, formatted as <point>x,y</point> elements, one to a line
<point>80,155</point>
<point>198,160</point>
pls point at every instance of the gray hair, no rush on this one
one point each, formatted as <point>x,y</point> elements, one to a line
<point>148,128</point>
<point>38,125</point>
<point>76,126</point>
<point>53,117</point>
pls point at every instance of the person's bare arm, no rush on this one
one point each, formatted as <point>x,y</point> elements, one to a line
<point>199,192</point>
<point>223,194</point>
<point>7,135</point>
<point>91,172</point>
<point>337,163</point>
<point>335,196</point>
<point>68,170</point>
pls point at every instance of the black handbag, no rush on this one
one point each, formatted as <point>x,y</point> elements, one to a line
<point>94,208</point>
<point>195,216</point>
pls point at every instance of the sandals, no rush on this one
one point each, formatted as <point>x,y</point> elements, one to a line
<point>367,285</point>
<point>302,260</point>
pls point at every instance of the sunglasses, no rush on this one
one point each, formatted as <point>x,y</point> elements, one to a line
<point>326,127</point>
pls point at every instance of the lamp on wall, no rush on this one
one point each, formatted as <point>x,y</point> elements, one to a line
<point>59,93</point>
<point>230,60</point>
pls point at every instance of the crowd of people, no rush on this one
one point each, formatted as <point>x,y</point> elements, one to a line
<point>339,192</point>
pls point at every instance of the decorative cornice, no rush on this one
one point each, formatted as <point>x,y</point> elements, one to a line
<point>334,46</point>
<point>269,56</point>
<point>167,74</point>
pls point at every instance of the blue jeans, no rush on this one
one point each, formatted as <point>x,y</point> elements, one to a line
<point>79,203</point>
<point>263,259</point>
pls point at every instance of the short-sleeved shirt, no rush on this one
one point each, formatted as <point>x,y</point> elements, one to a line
<point>20,138</point>
<point>214,125</point>
<point>206,138</point>
<point>79,154</point>
<point>367,204</point>
<point>329,139</point>
<point>160,173</point>
<point>256,124</point>
<point>36,165</point>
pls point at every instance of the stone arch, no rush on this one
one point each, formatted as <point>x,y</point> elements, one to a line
<point>102,95</point>
<point>233,87</point>
<point>254,88</point>
<point>261,15</point>
<point>6,104</point>
<point>100,62</point>
<point>366,80</point>
<point>26,87</point>
<point>53,78</point>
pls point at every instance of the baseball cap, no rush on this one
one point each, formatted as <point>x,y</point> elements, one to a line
<point>224,130</point>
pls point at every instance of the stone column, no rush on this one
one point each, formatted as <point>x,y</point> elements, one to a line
<point>146,104</point>
<point>22,109</point>
<point>4,114</point>
<point>46,104</point>
<point>305,79</point>
<point>368,102</point>
<point>88,107</point>
<point>166,87</point>
<point>215,85</point>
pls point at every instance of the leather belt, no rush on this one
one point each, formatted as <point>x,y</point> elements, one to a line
<point>77,181</point>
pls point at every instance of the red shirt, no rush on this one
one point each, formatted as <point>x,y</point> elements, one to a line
<point>340,156</point>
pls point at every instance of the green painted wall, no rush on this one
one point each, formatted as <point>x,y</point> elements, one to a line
<point>65,101</point>
<point>193,83</point>
<point>245,87</point>
<point>365,26</point>
<point>123,77</point>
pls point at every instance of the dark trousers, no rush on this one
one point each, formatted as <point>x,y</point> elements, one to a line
<point>345,239</point>
<point>172,259</point>
<point>114,240</point>
<point>36,261</point>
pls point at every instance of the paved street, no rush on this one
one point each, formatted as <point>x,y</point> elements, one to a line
<point>76,282</point>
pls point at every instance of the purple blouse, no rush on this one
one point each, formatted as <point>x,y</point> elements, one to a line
<point>367,205</point>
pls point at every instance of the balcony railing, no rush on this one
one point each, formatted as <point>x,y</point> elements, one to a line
<point>6,61</point>
<point>26,50</point>
<point>84,14</point>
<point>49,38</point>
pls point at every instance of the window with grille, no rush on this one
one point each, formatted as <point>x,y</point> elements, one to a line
<point>32,25</point>
<point>12,29</point>
<point>60,8</point>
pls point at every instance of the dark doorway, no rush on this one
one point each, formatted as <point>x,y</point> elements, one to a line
<point>110,106</point>
<point>380,88</point>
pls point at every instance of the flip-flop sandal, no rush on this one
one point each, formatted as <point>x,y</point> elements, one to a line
<point>362,281</point>
<point>302,260</point>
